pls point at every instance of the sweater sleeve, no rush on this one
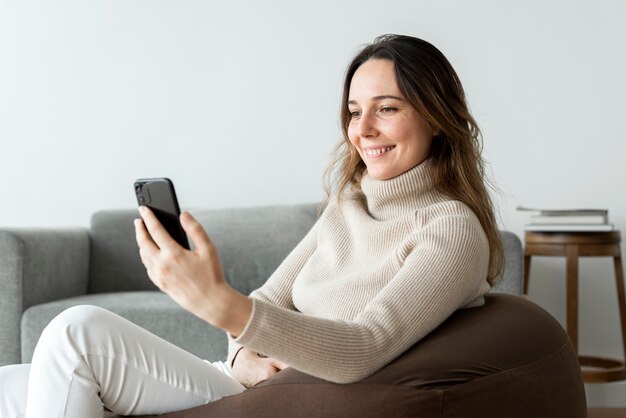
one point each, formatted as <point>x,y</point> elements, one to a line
<point>277,290</point>
<point>446,270</point>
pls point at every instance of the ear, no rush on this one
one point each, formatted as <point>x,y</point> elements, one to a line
<point>436,132</point>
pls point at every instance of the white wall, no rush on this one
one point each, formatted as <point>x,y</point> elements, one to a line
<point>237,102</point>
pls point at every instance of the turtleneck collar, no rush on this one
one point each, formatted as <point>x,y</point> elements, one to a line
<point>388,199</point>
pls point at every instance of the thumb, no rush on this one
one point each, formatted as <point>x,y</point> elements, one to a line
<point>195,231</point>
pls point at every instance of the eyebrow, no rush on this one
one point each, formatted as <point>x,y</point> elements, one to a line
<point>378,98</point>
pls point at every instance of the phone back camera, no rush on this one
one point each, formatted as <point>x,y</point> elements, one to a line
<point>143,194</point>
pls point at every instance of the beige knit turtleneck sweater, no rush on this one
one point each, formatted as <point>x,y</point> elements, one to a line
<point>372,277</point>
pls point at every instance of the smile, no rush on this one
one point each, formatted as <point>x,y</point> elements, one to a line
<point>375,152</point>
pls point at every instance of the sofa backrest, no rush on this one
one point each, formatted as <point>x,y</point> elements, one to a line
<point>511,281</point>
<point>252,242</point>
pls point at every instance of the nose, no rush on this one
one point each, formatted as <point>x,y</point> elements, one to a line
<point>367,126</point>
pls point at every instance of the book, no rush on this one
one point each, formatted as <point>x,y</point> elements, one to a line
<point>566,212</point>
<point>573,219</point>
<point>568,220</point>
<point>569,228</point>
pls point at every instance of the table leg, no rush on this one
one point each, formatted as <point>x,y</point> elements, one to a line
<point>621,298</point>
<point>572,294</point>
<point>526,273</point>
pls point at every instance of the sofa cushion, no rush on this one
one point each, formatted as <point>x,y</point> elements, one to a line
<point>152,310</point>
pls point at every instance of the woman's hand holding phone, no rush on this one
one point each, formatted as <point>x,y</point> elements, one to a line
<point>193,278</point>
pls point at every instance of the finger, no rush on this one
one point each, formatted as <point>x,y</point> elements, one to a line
<point>279,364</point>
<point>273,364</point>
<point>267,373</point>
<point>157,231</point>
<point>144,240</point>
<point>195,231</point>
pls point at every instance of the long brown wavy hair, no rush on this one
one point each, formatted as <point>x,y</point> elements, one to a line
<point>432,87</point>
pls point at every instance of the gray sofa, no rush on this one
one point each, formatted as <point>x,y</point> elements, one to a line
<point>44,271</point>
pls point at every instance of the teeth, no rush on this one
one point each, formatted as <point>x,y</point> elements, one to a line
<point>378,151</point>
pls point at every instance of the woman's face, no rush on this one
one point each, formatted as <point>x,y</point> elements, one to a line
<point>389,134</point>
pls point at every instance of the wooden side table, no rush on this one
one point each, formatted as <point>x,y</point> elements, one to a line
<point>573,245</point>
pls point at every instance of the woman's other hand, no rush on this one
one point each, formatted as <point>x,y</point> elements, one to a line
<point>250,369</point>
<point>194,279</point>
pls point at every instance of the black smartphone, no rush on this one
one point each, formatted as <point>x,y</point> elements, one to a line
<point>158,194</point>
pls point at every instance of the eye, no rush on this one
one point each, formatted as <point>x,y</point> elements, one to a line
<point>354,114</point>
<point>387,109</point>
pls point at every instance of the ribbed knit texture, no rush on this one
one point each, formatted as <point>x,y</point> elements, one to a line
<point>372,277</point>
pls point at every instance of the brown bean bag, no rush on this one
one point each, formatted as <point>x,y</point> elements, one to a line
<point>507,359</point>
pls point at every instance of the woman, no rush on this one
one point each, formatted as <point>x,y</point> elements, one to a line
<point>407,237</point>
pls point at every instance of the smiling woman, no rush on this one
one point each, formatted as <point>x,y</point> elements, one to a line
<point>407,238</point>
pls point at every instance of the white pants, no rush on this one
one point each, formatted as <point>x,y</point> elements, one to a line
<point>88,358</point>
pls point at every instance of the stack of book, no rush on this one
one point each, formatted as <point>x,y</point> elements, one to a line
<point>574,220</point>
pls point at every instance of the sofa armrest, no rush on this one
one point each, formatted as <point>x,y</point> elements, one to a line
<point>36,266</point>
